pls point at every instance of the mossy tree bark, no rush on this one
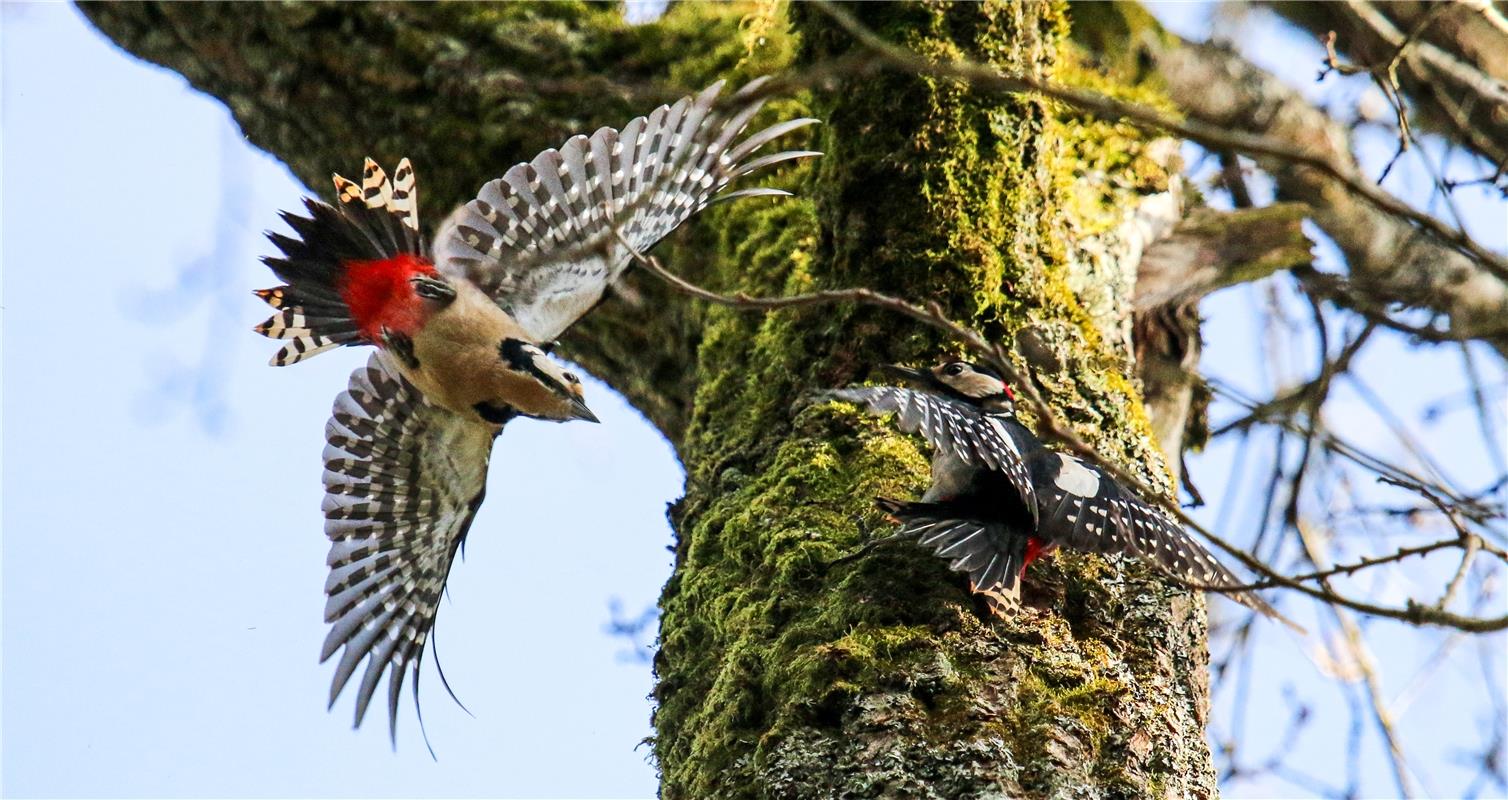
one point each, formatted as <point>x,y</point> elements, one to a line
<point>778,676</point>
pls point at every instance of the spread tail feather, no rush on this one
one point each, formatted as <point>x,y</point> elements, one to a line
<point>991,555</point>
<point>374,221</point>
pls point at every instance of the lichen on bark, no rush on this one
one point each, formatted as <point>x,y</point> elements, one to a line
<point>780,676</point>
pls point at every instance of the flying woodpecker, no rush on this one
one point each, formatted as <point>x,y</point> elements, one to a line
<point>461,336</point>
<point>1000,498</point>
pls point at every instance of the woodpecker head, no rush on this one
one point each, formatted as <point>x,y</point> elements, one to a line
<point>972,383</point>
<point>561,397</point>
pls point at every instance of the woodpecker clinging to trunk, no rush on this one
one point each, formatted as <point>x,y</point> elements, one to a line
<point>460,340</point>
<point>1000,498</point>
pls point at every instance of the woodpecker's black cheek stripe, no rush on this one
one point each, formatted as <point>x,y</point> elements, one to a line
<point>516,354</point>
<point>434,289</point>
<point>496,413</point>
<point>984,370</point>
<point>402,346</point>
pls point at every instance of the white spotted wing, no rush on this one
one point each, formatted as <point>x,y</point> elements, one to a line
<point>1084,508</point>
<point>540,240</point>
<point>977,438</point>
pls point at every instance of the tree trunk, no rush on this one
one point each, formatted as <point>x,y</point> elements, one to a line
<point>779,676</point>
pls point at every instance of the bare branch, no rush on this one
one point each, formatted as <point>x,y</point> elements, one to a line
<point>1050,427</point>
<point>1361,656</point>
<point>1386,256</point>
<point>1455,74</point>
<point>1210,133</point>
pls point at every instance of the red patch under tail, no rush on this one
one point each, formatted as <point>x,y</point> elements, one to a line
<point>1034,548</point>
<point>380,295</point>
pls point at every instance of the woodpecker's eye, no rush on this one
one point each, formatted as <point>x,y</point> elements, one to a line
<point>571,377</point>
<point>954,369</point>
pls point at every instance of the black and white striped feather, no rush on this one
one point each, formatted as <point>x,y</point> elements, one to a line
<point>989,552</point>
<point>403,481</point>
<point>1072,503</point>
<point>977,438</point>
<point>540,239</point>
<point>375,220</point>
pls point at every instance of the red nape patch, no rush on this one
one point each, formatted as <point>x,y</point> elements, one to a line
<point>1033,549</point>
<point>380,296</point>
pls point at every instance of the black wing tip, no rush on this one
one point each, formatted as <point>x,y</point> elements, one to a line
<point>1254,602</point>
<point>858,395</point>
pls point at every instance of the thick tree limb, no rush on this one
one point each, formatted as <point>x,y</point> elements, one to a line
<point>465,90</point>
<point>1211,249</point>
<point>1207,251</point>
<point>1388,258</point>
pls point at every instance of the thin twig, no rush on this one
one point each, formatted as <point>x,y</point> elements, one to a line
<point>1361,656</point>
<point>1210,135</point>
<point>932,316</point>
<point>1473,546</point>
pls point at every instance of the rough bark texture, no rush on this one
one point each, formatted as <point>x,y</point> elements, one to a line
<point>1389,260</point>
<point>778,676</point>
<point>782,678</point>
<point>1206,251</point>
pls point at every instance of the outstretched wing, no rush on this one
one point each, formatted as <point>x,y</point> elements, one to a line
<point>951,426</point>
<point>403,481</point>
<point>540,240</point>
<point>1084,508</point>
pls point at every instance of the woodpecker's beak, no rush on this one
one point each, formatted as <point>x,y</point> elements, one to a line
<point>580,411</point>
<point>907,373</point>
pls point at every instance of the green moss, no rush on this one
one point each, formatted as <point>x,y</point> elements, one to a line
<point>1041,709</point>
<point>780,675</point>
<point>779,671</point>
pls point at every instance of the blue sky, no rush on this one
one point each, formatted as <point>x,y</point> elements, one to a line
<point>163,560</point>
<point>163,555</point>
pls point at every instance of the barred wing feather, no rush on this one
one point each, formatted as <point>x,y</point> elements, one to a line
<point>989,553</point>
<point>403,481</point>
<point>951,426</point>
<point>1084,508</point>
<point>540,240</point>
<point>1102,517</point>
